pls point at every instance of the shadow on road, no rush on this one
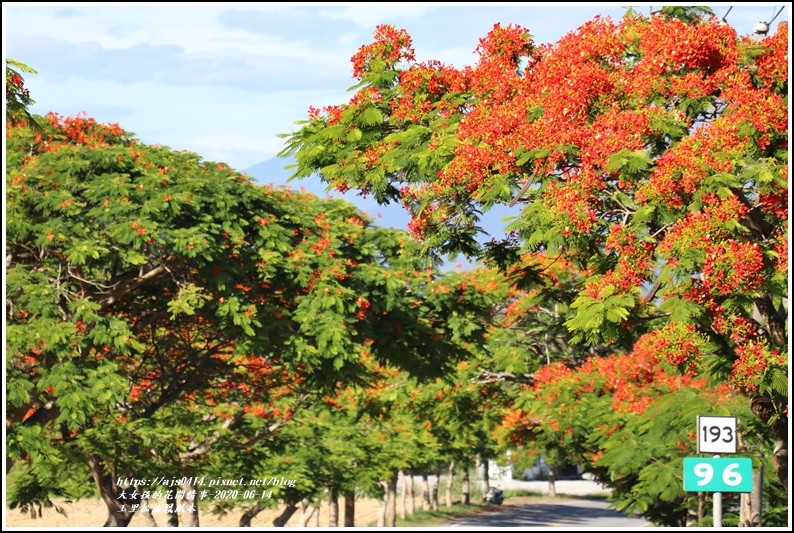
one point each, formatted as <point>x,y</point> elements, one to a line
<point>569,513</point>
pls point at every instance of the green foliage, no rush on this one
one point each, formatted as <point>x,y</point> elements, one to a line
<point>635,156</point>
<point>629,423</point>
<point>601,319</point>
<point>31,489</point>
<point>165,313</point>
<point>427,519</point>
<point>688,14</point>
<point>18,98</point>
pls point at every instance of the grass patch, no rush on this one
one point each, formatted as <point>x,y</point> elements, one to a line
<point>515,493</point>
<point>519,493</point>
<point>594,496</point>
<point>423,518</point>
<point>435,518</point>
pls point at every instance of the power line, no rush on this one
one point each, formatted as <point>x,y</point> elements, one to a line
<point>762,28</point>
<point>778,13</point>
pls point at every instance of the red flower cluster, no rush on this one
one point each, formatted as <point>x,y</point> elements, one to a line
<point>678,344</point>
<point>732,267</point>
<point>754,359</point>
<point>390,47</point>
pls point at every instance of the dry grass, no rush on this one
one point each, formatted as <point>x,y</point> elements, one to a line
<point>93,513</point>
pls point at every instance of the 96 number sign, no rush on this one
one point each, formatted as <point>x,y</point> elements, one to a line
<point>718,475</point>
<point>716,434</point>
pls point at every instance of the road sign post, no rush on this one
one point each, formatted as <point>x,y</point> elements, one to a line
<point>718,475</point>
<point>717,435</point>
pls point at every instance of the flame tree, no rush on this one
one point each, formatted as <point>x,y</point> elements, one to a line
<point>650,153</point>
<point>164,314</point>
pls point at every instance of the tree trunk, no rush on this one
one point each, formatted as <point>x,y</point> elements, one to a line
<point>350,509</point>
<point>478,472</point>
<point>750,503</point>
<point>148,517</point>
<point>305,514</point>
<point>464,479</point>
<point>701,506</point>
<point>757,497</point>
<point>411,493</point>
<point>482,474</point>
<point>435,488</point>
<point>691,518</point>
<point>170,512</point>
<point>425,492</point>
<point>552,478</point>
<point>190,516</point>
<point>118,516</point>
<point>245,520</point>
<point>284,517</point>
<point>391,501</point>
<point>307,511</point>
<point>764,408</point>
<point>450,478</point>
<point>333,507</point>
<point>745,512</point>
<point>403,494</point>
<point>118,520</point>
<point>383,504</point>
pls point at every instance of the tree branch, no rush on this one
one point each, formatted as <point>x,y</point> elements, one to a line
<point>133,284</point>
<point>775,324</point>
<point>526,186</point>
<point>652,293</point>
<point>487,376</point>
<point>206,446</point>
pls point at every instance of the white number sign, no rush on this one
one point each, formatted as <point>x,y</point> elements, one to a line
<point>716,434</point>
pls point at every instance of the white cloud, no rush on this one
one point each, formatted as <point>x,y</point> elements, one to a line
<point>224,79</point>
<point>370,14</point>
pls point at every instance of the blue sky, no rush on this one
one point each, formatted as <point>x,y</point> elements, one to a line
<point>223,80</point>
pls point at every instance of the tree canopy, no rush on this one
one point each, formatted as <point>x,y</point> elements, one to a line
<point>17,95</point>
<point>168,318</point>
<point>650,153</point>
<point>160,302</point>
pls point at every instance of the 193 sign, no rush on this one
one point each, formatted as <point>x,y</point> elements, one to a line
<point>716,434</point>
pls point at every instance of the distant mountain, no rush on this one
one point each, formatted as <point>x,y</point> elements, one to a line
<point>393,215</point>
<point>272,171</point>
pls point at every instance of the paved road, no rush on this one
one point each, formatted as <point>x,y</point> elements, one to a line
<point>558,513</point>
